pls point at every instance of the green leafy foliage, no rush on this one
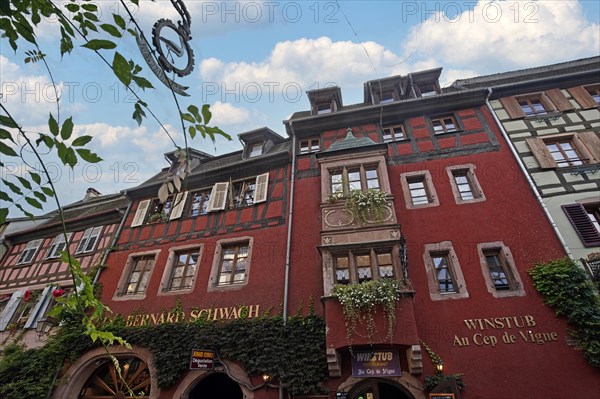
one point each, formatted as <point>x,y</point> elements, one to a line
<point>570,292</point>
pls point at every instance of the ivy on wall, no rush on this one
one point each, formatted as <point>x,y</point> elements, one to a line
<point>294,353</point>
<point>568,289</point>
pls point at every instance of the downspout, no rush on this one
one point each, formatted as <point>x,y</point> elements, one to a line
<point>527,175</point>
<point>288,246</point>
<point>114,242</point>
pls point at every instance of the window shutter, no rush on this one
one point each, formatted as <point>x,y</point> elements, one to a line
<point>218,197</point>
<point>179,204</point>
<point>592,144</point>
<point>140,213</point>
<point>559,100</point>
<point>91,244</point>
<point>9,310</point>
<point>262,181</point>
<point>582,224</point>
<point>541,153</point>
<point>582,97</point>
<point>512,107</point>
<point>40,308</point>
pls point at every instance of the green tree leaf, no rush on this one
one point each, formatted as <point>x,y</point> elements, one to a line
<point>35,177</point>
<point>119,21</point>
<point>6,150</point>
<point>24,182</point>
<point>13,187</point>
<point>122,69</point>
<point>5,134</point>
<point>53,125</point>
<point>34,203</point>
<point>88,156</point>
<point>206,113</point>
<point>81,141</point>
<point>3,215</point>
<point>100,44</point>
<point>8,122</point>
<point>111,30</point>
<point>48,191</point>
<point>40,196</point>
<point>67,129</point>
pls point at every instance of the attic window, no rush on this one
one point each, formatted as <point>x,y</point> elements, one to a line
<point>255,150</point>
<point>428,90</point>
<point>324,108</point>
<point>387,97</point>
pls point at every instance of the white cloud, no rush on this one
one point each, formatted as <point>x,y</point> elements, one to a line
<point>501,35</point>
<point>307,63</point>
<point>109,135</point>
<point>225,114</point>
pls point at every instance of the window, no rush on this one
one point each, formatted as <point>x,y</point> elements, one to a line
<point>444,124</point>
<point>532,106</point>
<point>444,275</point>
<point>255,150</point>
<point>199,204</point>
<point>393,133</point>
<point>428,90</point>
<point>140,275</point>
<point>564,153</point>
<point>465,186</point>
<point>345,180</point>
<point>499,271</point>
<point>58,245</point>
<point>243,194</point>
<point>418,190</point>
<point>234,262</point>
<point>357,266</point>
<point>89,240</point>
<point>28,254</point>
<point>386,96</point>
<point>585,219</point>
<point>159,211</point>
<point>183,269</point>
<point>565,150</point>
<point>535,105</point>
<point>324,108</point>
<point>309,145</point>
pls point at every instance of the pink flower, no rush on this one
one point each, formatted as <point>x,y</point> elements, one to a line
<point>58,292</point>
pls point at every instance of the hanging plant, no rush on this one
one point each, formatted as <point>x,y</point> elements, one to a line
<point>359,302</point>
<point>367,206</point>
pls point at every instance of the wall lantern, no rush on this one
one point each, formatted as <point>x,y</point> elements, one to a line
<point>44,326</point>
<point>439,367</point>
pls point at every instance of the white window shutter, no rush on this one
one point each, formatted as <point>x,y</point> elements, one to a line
<point>140,213</point>
<point>218,197</point>
<point>179,204</point>
<point>94,238</point>
<point>260,193</point>
<point>9,310</point>
<point>40,308</point>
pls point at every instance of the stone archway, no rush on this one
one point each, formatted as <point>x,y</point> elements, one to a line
<point>378,388</point>
<point>233,371</point>
<point>92,371</point>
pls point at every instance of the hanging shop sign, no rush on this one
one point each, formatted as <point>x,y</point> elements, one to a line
<point>376,363</point>
<point>202,359</point>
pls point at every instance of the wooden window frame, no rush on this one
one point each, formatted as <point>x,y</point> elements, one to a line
<point>215,275</point>
<point>225,195</point>
<point>313,144</point>
<point>392,132</point>
<point>468,170</point>
<point>202,205</point>
<point>442,119</point>
<point>344,172</point>
<point>91,233</point>
<point>121,290</point>
<point>58,244</point>
<point>507,264</point>
<point>425,176</point>
<point>252,152</point>
<point>353,254</point>
<point>577,214</point>
<point>586,144</point>
<point>454,268</point>
<point>166,284</point>
<point>32,247</point>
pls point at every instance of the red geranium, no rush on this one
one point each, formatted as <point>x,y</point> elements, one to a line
<point>58,292</point>
<point>27,296</point>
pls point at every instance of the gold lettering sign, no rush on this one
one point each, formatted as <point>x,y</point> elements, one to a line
<point>212,314</point>
<point>503,330</point>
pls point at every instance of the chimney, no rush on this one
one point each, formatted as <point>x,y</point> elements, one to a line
<point>91,193</point>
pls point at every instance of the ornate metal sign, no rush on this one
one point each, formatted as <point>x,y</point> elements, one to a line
<point>167,49</point>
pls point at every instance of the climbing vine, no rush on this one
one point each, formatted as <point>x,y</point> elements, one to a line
<point>570,292</point>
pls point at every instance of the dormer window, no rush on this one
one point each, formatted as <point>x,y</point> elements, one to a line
<point>428,90</point>
<point>255,150</point>
<point>324,108</point>
<point>387,97</point>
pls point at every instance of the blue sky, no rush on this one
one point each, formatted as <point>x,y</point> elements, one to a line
<point>256,59</point>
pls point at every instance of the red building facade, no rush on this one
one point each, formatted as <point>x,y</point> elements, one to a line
<point>268,228</point>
